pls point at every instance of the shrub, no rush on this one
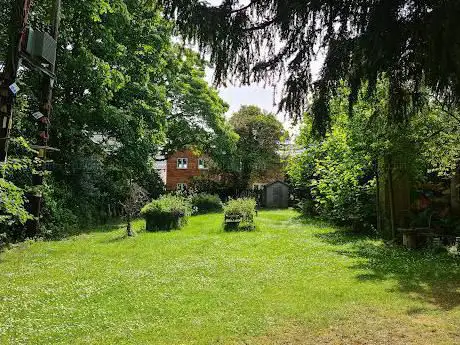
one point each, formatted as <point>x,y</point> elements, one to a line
<point>166,213</point>
<point>207,203</point>
<point>244,208</point>
<point>224,189</point>
<point>336,179</point>
<point>203,184</point>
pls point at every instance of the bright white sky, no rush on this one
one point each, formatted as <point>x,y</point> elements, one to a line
<point>236,96</point>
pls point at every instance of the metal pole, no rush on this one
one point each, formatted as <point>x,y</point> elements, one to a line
<point>19,17</point>
<point>44,127</point>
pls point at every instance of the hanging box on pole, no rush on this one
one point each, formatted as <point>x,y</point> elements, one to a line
<point>37,115</point>
<point>14,88</point>
<point>42,46</point>
<point>37,179</point>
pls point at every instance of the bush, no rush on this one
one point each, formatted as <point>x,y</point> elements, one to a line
<point>335,179</point>
<point>203,184</point>
<point>166,213</point>
<point>14,184</point>
<point>224,189</point>
<point>207,203</point>
<point>245,209</point>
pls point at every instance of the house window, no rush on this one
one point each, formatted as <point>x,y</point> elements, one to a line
<point>202,164</point>
<point>182,187</point>
<point>182,163</point>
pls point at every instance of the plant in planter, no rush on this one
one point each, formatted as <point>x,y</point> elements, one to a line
<point>166,213</point>
<point>239,214</point>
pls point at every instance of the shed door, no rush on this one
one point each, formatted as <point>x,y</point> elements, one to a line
<point>278,196</point>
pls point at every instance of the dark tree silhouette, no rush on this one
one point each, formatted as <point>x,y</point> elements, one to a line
<point>414,43</point>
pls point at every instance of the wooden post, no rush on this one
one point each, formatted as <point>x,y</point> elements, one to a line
<point>19,17</point>
<point>377,201</point>
<point>44,126</point>
<point>454,192</point>
<point>392,203</point>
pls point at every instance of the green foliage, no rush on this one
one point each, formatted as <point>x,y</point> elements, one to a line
<point>126,92</point>
<point>337,172</point>
<point>224,188</point>
<point>58,220</point>
<point>361,40</point>
<point>13,188</point>
<point>197,115</point>
<point>437,132</point>
<point>12,201</point>
<point>206,203</point>
<point>257,148</point>
<point>203,184</point>
<point>341,182</point>
<point>243,208</point>
<point>204,286</point>
<point>166,213</point>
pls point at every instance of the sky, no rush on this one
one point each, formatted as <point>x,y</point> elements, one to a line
<point>237,96</point>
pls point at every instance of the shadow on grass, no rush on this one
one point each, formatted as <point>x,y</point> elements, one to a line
<point>227,228</point>
<point>318,223</point>
<point>117,239</point>
<point>111,226</point>
<point>424,275</point>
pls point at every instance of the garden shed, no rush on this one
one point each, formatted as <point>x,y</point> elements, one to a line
<point>276,195</point>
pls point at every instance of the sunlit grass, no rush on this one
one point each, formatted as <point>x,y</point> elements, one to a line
<point>288,279</point>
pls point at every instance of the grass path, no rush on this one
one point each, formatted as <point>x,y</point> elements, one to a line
<point>289,282</point>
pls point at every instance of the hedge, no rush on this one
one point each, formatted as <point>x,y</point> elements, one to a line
<point>206,203</point>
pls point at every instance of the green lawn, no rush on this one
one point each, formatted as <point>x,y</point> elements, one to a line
<point>288,282</point>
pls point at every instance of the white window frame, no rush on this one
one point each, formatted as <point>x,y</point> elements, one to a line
<point>182,163</point>
<point>181,186</point>
<point>202,166</point>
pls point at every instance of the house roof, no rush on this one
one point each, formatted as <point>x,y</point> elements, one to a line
<point>270,184</point>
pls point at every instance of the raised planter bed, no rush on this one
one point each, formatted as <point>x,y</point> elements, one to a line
<point>233,220</point>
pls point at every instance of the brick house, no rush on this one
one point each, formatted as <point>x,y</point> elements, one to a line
<point>182,166</point>
<point>178,169</point>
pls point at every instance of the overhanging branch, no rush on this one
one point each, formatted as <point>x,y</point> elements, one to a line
<point>261,26</point>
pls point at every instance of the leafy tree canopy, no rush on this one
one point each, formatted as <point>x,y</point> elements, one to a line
<point>415,43</point>
<point>257,148</point>
<point>125,92</point>
<point>335,175</point>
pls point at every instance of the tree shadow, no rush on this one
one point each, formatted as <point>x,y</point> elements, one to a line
<point>425,275</point>
<point>117,239</point>
<point>110,226</point>
<point>315,222</point>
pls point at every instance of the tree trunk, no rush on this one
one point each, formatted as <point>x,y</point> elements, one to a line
<point>18,22</point>
<point>454,192</point>
<point>129,230</point>
<point>392,203</point>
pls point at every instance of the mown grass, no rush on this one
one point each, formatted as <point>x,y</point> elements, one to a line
<point>288,282</point>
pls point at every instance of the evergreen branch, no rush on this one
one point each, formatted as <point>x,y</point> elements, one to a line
<point>261,26</point>
<point>244,8</point>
